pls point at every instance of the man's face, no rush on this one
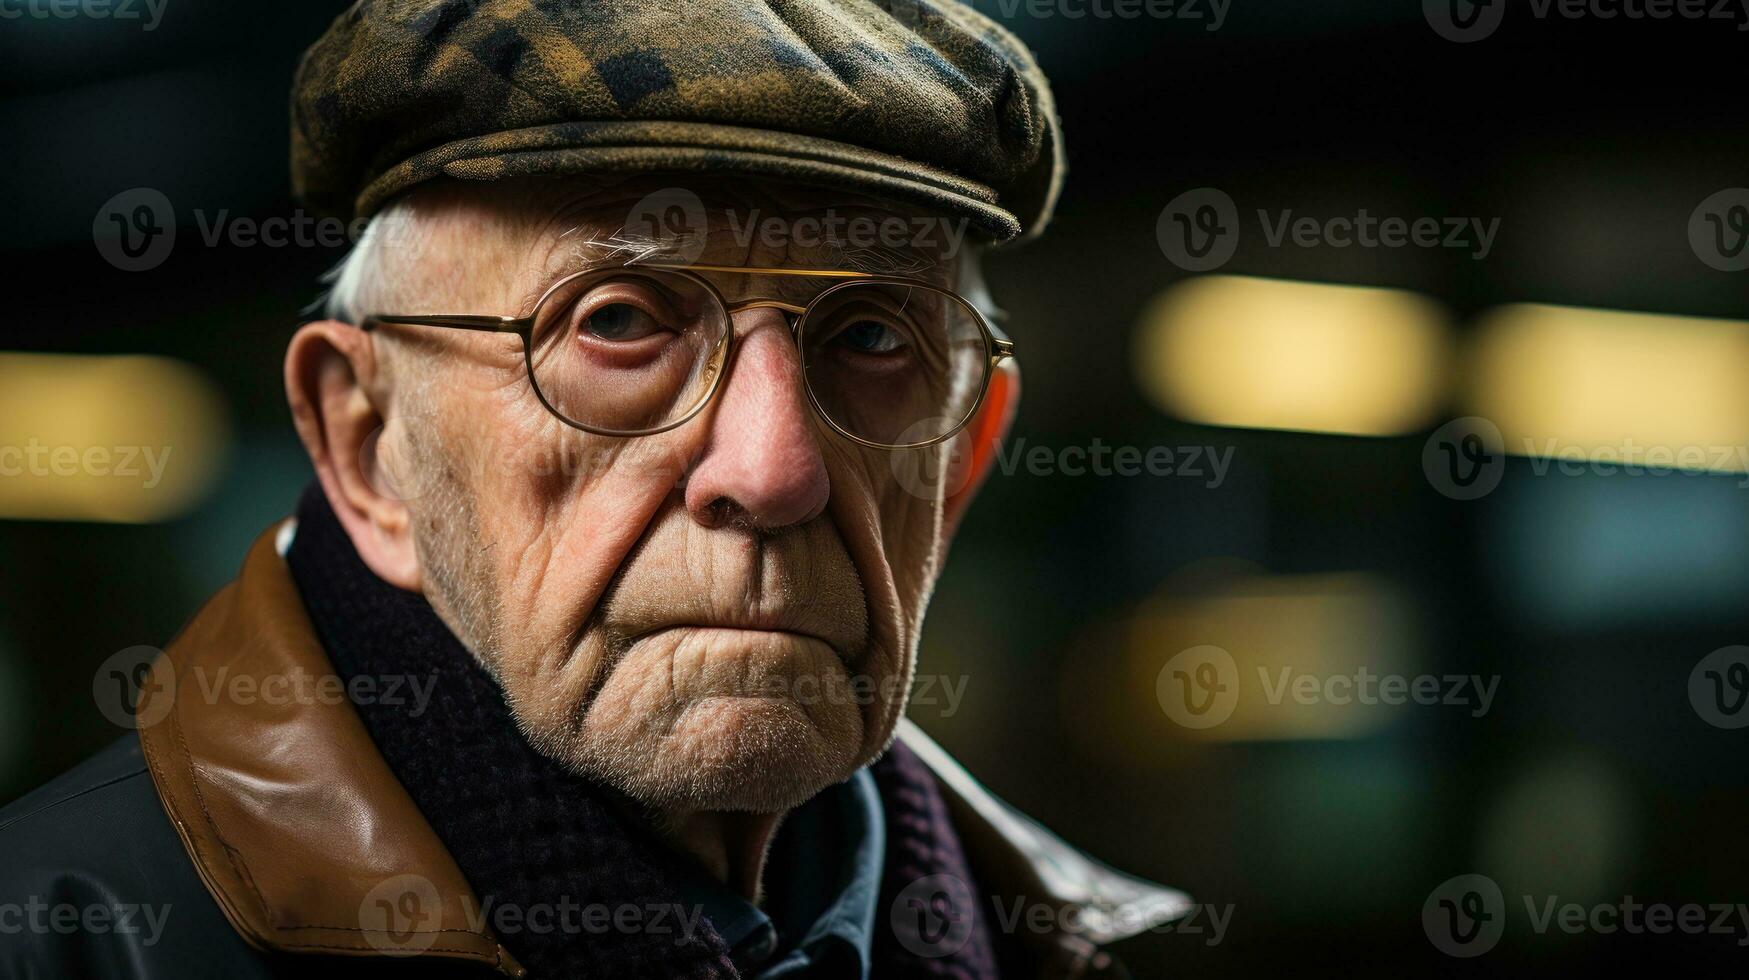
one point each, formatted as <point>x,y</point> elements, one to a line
<point>723,616</point>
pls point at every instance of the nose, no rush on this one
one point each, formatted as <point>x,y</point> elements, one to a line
<point>761,463</point>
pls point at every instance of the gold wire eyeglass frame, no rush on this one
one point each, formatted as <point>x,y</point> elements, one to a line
<point>996,349</point>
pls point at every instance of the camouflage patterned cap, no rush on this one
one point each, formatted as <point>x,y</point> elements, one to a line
<point>921,101</point>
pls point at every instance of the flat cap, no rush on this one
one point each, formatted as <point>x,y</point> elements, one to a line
<point>922,101</point>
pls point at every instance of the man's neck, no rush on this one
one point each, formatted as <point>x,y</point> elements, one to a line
<point>730,847</point>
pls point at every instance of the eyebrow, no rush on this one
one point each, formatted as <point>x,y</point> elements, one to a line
<point>580,250</point>
<point>874,260</point>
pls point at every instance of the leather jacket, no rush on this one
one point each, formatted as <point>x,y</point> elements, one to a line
<point>242,840</point>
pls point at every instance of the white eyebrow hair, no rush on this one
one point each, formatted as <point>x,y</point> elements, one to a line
<point>633,247</point>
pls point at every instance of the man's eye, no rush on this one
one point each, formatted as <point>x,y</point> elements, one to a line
<point>620,322</point>
<point>870,337</point>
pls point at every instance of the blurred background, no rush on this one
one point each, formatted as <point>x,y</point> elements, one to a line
<point>1124,637</point>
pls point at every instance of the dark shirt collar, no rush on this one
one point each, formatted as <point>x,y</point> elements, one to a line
<point>823,886</point>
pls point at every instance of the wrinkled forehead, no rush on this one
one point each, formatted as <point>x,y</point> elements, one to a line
<point>534,232</point>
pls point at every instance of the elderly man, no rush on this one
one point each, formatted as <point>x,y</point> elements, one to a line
<point>641,417</point>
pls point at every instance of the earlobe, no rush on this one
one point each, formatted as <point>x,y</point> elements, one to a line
<point>977,449</point>
<point>330,371</point>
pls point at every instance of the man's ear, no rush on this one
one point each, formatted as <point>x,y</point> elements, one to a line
<point>330,369</point>
<point>975,449</point>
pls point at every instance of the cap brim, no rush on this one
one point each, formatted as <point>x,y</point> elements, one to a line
<point>677,147</point>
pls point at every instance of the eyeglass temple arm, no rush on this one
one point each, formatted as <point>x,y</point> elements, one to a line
<point>758,270</point>
<point>456,321</point>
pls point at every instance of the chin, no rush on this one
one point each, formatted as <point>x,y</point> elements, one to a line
<point>743,753</point>
<point>758,754</point>
<point>717,720</point>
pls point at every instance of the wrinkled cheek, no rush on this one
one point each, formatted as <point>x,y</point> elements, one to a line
<point>563,534</point>
<point>633,705</point>
<point>550,698</point>
<point>910,535</point>
<point>895,525</point>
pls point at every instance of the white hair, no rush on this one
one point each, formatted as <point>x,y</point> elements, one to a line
<point>356,286</point>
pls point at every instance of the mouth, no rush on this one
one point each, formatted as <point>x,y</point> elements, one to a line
<point>749,627</point>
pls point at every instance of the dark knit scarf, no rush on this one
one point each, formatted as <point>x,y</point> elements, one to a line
<point>525,831</point>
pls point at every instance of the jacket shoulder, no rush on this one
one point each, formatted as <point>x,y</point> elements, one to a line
<point>101,775</point>
<point>96,880</point>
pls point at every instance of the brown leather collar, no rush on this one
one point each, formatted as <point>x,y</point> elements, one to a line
<point>295,823</point>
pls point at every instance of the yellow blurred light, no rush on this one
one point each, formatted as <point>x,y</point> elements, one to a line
<point>127,439</point>
<point>1609,385</point>
<point>1310,652</point>
<point>1274,354</point>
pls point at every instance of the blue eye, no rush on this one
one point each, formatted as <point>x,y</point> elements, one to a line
<point>870,337</point>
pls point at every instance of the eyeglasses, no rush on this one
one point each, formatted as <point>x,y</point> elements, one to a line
<point>888,362</point>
